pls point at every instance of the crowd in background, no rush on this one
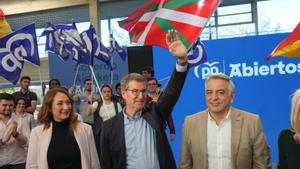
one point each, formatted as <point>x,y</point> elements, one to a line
<point>127,129</point>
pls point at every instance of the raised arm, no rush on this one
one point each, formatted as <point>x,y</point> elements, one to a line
<point>175,85</point>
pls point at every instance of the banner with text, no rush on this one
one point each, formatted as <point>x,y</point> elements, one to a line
<point>263,88</point>
<point>65,71</point>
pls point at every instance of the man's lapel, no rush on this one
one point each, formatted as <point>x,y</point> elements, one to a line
<point>236,127</point>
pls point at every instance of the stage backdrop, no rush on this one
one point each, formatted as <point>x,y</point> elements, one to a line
<point>262,87</point>
<point>65,71</point>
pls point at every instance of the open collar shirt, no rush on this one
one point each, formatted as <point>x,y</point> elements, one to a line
<point>219,143</point>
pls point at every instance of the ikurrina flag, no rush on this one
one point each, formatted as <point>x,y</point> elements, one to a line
<point>289,47</point>
<point>149,24</point>
<point>4,26</point>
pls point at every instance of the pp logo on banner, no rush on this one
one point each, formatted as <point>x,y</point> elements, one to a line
<point>208,69</point>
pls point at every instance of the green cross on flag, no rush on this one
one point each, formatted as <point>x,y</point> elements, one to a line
<point>149,24</point>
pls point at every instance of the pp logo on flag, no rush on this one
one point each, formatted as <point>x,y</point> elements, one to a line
<point>197,54</point>
<point>17,48</point>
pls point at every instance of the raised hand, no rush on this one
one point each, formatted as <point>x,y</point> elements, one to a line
<point>176,47</point>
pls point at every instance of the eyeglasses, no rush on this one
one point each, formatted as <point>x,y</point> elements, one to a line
<point>137,92</point>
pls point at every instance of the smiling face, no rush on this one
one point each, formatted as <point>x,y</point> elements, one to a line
<point>20,106</point>
<point>218,96</point>
<point>61,107</point>
<point>6,107</point>
<point>135,95</point>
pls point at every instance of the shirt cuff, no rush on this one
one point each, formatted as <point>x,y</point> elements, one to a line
<point>181,68</point>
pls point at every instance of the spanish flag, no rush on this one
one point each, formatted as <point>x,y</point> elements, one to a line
<point>4,26</point>
<point>289,47</point>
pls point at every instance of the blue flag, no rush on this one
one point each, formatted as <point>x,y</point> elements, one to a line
<point>197,54</point>
<point>63,40</point>
<point>49,33</point>
<point>14,49</point>
<point>116,47</point>
<point>10,67</point>
<point>98,50</point>
<point>88,37</point>
<point>102,53</point>
<point>23,44</point>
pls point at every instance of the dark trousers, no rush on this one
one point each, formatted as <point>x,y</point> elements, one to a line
<point>14,166</point>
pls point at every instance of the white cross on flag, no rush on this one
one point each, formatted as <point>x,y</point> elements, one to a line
<point>149,24</point>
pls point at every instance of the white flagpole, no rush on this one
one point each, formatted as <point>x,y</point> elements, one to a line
<point>93,74</point>
<point>92,81</point>
<point>75,78</point>
<point>40,72</point>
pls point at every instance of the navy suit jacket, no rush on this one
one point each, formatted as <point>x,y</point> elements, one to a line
<point>113,150</point>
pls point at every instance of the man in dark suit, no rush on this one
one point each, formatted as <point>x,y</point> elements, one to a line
<point>135,138</point>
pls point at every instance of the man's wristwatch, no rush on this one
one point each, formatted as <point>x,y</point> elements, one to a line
<point>15,134</point>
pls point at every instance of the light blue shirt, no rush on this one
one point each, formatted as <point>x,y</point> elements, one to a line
<point>140,143</point>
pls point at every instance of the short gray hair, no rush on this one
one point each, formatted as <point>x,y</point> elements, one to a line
<point>221,76</point>
<point>132,77</point>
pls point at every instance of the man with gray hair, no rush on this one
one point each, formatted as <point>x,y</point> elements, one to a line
<point>223,137</point>
<point>135,138</point>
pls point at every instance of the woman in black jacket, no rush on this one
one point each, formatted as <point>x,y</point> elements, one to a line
<point>103,110</point>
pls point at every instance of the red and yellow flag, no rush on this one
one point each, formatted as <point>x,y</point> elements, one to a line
<point>4,26</point>
<point>289,47</point>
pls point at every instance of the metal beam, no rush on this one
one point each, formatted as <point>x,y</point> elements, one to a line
<point>12,7</point>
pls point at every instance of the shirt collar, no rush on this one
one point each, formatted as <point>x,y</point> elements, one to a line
<point>27,91</point>
<point>228,117</point>
<point>128,118</point>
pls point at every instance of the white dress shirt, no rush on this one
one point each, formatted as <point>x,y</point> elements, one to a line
<point>13,152</point>
<point>219,143</point>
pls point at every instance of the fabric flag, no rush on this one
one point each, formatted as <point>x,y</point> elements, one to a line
<point>23,44</point>
<point>102,53</point>
<point>116,47</point>
<point>10,67</point>
<point>197,54</point>
<point>88,37</point>
<point>58,40</point>
<point>4,26</point>
<point>14,49</point>
<point>289,47</point>
<point>149,24</point>
<point>73,43</point>
<point>50,41</point>
<point>95,47</point>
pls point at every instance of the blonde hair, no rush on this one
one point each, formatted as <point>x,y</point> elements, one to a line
<point>295,115</point>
